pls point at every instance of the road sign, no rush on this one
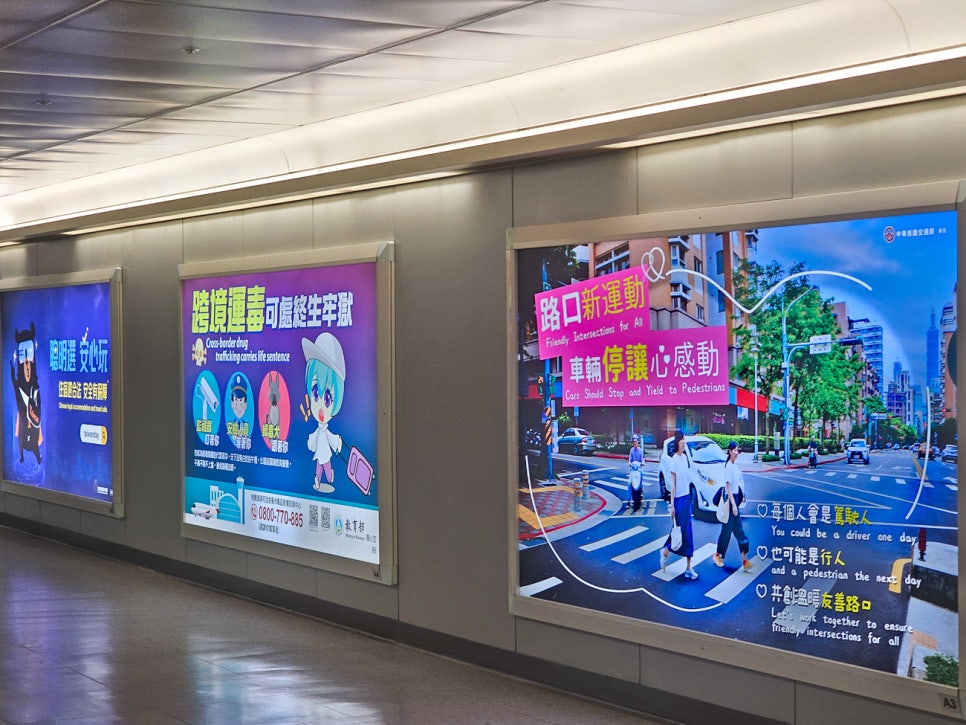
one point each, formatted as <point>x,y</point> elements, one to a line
<point>819,344</point>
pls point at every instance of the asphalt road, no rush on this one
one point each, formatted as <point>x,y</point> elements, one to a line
<point>824,543</point>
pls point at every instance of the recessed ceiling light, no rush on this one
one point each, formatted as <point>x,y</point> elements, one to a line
<point>191,49</point>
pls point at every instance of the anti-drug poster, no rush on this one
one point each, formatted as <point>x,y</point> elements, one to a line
<point>57,389</point>
<point>280,407</point>
<point>826,354</point>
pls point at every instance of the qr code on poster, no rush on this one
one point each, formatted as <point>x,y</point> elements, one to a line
<point>326,518</point>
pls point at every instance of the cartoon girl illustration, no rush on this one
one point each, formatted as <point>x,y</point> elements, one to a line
<point>324,387</point>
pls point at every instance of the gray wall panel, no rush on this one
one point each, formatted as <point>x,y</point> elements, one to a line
<point>358,594</point>
<point>731,168</point>
<point>218,558</point>
<point>451,416</point>
<point>22,507</point>
<point>282,574</point>
<point>215,237</point>
<point>743,690</point>
<point>364,217</point>
<point>815,706</point>
<point>905,145</point>
<point>19,261</point>
<point>152,413</point>
<point>286,228</point>
<point>585,188</point>
<point>62,517</point>
<point>579,649</point>
<point>106,528</point>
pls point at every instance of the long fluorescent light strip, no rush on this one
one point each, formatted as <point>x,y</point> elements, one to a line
<point>611,117</point>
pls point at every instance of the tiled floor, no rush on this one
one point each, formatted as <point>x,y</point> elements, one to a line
<point>90,640</point>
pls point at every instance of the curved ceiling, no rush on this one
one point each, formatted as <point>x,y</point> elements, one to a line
<point>115,110</point>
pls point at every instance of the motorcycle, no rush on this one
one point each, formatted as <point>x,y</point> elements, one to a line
<point>812,458</point>
<point>634,490</point>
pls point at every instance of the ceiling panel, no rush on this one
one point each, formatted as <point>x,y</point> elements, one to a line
<point>277,58</point>
<point>83,80</point>
<point>429,13</point>
<point>201,23</point>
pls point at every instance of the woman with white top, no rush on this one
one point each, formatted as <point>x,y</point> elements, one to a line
<point>680,490</point>
<point>734,490</point>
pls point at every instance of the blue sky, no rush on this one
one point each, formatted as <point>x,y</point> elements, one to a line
<point>910,276</point>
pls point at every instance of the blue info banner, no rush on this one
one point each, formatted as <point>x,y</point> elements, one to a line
<point>57,389</point>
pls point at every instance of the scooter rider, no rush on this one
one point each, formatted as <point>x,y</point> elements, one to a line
<point>812,454</point>
<point>636,462</point>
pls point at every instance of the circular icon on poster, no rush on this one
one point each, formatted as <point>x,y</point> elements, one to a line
<point>239,412</point>
<point>274,412</point>
<point>206,407</point>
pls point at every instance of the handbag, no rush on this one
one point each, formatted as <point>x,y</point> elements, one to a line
<point>723,512</point>
<point>675,537</point>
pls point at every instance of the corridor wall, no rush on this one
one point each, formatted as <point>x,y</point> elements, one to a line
<point>452,512</point>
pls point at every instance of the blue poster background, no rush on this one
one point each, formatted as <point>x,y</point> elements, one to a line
<point>249,360</point>
<point>78,316</point>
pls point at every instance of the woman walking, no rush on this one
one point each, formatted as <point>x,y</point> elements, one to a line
<point>680,491</point>
<point>735,493</point>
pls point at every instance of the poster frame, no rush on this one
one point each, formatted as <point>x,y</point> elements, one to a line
<point>802,668</point>
<point>383,255</point>
<point>114,277</point>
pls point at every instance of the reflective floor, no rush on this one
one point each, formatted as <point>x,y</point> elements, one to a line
<point>85,639</point>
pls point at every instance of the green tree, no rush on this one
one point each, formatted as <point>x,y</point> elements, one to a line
<point>823,387</point>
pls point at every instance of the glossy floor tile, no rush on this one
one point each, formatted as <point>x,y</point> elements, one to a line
<point>84,639</point>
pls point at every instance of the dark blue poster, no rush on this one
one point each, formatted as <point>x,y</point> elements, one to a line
<point>57,389</point>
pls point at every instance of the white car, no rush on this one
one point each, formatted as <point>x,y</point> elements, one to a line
<point>859,450</point>
<point>707,460</point>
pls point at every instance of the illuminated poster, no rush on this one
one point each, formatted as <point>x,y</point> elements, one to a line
<point>280,407</point>
<point>57,389</point>
<point>825,355</point>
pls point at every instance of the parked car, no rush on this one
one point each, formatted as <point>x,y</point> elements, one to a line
<point>577,441</point>
<point>927,449</point>
<point>706,460</point>
<point>859,450</point>
<point>950,453</point>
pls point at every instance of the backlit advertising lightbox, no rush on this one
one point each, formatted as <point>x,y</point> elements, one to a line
<point>59,392</point>
<point>281,407</point>
<point>824,355</point>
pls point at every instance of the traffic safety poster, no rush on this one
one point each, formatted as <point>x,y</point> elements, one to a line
<point>811,371</point>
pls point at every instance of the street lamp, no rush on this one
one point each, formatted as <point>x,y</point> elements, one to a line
<point>754,351</point>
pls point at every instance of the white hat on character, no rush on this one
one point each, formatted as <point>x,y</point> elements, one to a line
<point>326,349</point>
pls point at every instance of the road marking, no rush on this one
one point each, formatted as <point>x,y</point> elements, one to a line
<point>734,584</point>
<point>832,473</point>
<point>852,475</point>
<point>876,478</point>
<point>618,486</point>
<point>926,484</point>
<point>537,587</point>
<point>635,554</point>
<point>677,568</point>
<point>951,487</point>
<point>901,481</point>
<point>895,586</point>
<point>951,479</point>
<point>595,545</point>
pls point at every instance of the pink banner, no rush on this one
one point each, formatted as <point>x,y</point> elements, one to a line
<point>660,367</point>
<point>594,310</point>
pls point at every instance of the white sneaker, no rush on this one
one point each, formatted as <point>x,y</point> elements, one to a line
<point>690,574</point>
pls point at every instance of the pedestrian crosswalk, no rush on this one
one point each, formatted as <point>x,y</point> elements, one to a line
<point>631,545</point>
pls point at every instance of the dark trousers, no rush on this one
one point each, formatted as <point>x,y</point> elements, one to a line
<point>732,527</point>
